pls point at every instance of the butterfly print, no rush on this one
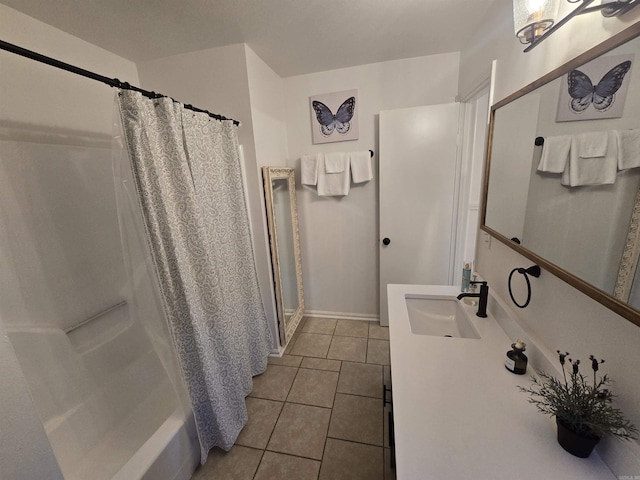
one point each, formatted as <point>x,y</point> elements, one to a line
<point>584,93</point>
<point>341,121</point>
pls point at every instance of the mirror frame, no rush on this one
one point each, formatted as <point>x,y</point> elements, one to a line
<point>606,299</point>
<point>285,329</point>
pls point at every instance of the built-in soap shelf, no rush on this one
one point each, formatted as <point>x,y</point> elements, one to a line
<point>100,328</point>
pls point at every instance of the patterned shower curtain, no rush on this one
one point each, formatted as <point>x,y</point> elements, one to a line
<point>187,174</point>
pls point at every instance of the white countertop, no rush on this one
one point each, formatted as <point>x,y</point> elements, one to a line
<point>457,411</point>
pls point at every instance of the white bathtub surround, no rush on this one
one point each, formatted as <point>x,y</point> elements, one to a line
<point>90,345</point>
<point>189,185</point>
<point>457,410</point>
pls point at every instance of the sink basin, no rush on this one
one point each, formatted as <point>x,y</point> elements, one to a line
<point>440,317</point>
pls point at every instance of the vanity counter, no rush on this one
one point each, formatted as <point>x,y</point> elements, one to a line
<point>458,413</point>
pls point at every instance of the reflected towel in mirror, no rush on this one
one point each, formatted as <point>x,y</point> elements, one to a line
<point>592,170</point>
<point>555,153</point>
<point>592,144</point>
<point>628,148</point>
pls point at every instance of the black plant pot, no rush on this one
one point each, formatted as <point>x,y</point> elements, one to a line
<point>578,445</point>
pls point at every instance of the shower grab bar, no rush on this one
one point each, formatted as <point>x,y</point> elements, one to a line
<point>96,316</point>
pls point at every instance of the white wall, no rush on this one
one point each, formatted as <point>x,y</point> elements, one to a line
<point>216,79</point>
<point>266,92</point>
<point>339,235</point>
<point>559,315</point>
<point>45,105</point>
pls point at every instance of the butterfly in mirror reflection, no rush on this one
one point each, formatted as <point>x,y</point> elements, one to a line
<point>584,93</point>
<point>341,121</point>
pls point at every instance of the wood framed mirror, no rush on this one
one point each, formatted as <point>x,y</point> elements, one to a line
<point>586,234</point>
<point>282,221</point>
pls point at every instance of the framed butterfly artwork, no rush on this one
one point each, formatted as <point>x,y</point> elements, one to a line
<point>595,90</point>
<point>334,116</point>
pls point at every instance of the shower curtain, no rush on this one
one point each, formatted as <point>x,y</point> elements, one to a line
<point>186,170</point>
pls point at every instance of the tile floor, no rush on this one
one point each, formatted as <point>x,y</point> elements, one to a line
<point>316,413</point>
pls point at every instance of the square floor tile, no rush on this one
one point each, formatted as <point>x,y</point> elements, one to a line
<point>239,463</point>
<point>348,348</point>
<point>321,364</point>
<point>325,326</point>
<point>263,415</point>
<point>314,387</point>
<point>274,383</point>
<point>277,466</point>
<point>301,430</point>
<point>311,345</point>
<point>352,328</point>
<point>351,461</point>
<point>376,331</point>
<point>361,379</point>
<point>286,360</point>
<point>357,418</point>
<point>378,352</point>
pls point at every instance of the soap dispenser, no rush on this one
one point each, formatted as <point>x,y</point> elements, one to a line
<point>516,361</point>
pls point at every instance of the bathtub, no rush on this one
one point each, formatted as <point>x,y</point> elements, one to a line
<point>106,402</point>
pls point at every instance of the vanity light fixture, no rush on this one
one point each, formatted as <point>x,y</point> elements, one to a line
<point>535,20</point>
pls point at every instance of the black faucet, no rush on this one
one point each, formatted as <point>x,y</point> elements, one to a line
<point>483,296</point>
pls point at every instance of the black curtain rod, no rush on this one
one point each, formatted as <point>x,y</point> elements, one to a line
<point>112,82</point>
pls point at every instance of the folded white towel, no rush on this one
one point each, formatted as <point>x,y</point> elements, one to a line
<point>555,153</point>
<point>361,170</point>
<point>592,170</point>
<point>335,162</point>
<point>591,144</point>
<point>309,169</point>
<point>628,148</point>
<point>333,184</point>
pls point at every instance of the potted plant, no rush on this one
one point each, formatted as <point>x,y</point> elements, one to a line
<point>583,409</point>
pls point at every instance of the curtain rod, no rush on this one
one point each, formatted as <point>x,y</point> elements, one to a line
<point>112,82</point>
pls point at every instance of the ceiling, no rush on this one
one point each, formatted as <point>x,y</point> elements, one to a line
<point>292,36</point>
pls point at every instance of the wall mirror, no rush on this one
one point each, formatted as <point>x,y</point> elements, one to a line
<point>282,220</point>
<point>587,234</point>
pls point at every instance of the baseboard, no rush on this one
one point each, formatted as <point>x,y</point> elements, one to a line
<point>277,352</point>
<point>342,315</point>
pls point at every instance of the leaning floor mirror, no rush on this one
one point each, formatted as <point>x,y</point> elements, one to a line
<point>282,220</point>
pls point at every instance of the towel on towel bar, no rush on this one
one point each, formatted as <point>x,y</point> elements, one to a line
<point>361,166</point>
<point>591,170</point>
<point>333,184</point>
<point>591,144</point>
<point>555,153</point>
<point>628,148</point>
<point>309,169</point>
<point>335,162</point>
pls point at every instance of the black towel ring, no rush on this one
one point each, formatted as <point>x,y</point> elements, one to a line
<point>533,271</point>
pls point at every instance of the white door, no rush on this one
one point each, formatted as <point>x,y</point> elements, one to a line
<point>473,149</point>
<point>419,177</point>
